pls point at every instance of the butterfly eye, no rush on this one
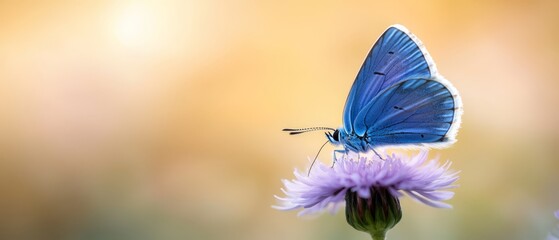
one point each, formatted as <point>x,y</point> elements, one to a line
<point>336,135</point>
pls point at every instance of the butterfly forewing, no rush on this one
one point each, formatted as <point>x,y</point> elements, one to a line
<point>397,55</point>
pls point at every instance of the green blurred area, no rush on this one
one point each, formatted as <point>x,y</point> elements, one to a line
<point>161,120</point>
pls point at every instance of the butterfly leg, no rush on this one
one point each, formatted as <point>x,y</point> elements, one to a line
<point>378,155</point>
<point>335,158</point>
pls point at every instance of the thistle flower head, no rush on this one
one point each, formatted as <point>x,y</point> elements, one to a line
<point>370,188</point>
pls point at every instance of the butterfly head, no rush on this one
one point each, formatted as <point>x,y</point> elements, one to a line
<point>334,137</point>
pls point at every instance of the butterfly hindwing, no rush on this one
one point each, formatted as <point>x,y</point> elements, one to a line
<point>418,111</point>
<point>397,55</point>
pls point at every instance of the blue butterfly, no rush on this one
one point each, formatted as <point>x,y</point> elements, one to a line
<point>398,99</point>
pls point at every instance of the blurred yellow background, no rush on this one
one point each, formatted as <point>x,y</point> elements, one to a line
<point>161,120</point>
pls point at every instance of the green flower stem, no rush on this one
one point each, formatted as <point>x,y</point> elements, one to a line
<point>378,235</point>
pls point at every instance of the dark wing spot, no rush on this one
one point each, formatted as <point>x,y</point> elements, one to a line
<point>422,136</point>
<point>390,52</point>
<point>379,73</point>
<point>398,108</point>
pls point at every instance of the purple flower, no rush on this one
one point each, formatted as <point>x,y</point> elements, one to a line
<point>370,187</point>
<point>326,186</point>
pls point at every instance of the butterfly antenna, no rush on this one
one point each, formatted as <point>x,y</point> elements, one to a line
<point>293,131</point>
<point>315,157</point>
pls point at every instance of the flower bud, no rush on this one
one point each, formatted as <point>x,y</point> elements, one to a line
<point>376,214</point>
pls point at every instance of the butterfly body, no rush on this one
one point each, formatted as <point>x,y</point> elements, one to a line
<point>350,141</point>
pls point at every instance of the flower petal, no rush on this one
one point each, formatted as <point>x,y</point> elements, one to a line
<point>326,186</point>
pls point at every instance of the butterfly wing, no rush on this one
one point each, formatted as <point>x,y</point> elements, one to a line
<point>397,55</point>
<point>418,111</point>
